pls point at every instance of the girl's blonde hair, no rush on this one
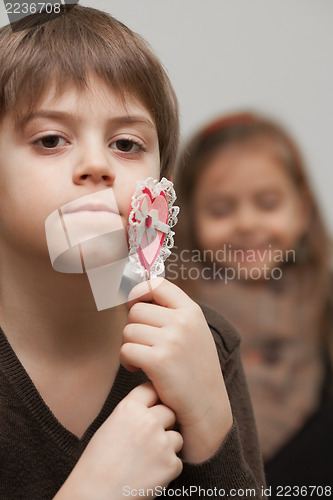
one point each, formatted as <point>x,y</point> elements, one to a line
<point>63,49</point>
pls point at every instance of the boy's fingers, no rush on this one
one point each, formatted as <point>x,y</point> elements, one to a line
<point>152,314</point>
<point>176,439</point>
<point>134,356</point>
<point>161,292</point>
<point>165,415</point>
<point>140,334</point>
<point>145,394</point>
<point>142,291</point>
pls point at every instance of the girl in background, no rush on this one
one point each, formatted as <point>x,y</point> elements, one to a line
<point>252,245</point>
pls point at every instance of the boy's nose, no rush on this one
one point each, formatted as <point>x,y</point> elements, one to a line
<point>95,169</point>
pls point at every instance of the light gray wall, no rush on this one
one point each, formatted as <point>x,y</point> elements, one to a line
<point>275,56</point>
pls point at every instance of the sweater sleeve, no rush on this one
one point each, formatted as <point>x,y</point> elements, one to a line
<point>235,470</point>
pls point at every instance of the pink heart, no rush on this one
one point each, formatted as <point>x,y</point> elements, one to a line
<point>148,252</point>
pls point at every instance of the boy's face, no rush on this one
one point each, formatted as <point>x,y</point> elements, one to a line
<point>73,145</point>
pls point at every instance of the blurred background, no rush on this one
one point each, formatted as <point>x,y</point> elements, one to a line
<point>223,55</point>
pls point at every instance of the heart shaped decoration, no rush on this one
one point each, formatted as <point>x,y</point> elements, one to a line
<point>151,217</point>
<point>152,228</point>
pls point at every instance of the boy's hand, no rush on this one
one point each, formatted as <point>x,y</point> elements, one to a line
<point>168,338</point>
<point>134,448</point>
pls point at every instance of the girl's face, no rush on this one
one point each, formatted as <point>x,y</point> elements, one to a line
<point>247,210</point>
<point>73,145</point>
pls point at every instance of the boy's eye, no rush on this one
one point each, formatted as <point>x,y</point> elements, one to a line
<point>127,146</point>
<point>50,142</point>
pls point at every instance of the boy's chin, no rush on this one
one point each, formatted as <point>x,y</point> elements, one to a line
<point>104,250</point>
<point>96,252</point>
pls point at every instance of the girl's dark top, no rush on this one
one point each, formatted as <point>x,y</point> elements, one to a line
<point>287,332</point>
<point>37,453</point>
<point>307,459</point>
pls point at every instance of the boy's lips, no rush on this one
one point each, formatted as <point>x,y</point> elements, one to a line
<point>90,207</point>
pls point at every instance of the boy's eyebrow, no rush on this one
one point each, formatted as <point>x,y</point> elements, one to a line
<point>132,119</point>
<point>64,115</point>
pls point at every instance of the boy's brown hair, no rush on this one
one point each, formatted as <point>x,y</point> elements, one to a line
<point>64,49</point>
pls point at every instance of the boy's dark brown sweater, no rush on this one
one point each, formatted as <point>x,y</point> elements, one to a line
<point>37,453</point>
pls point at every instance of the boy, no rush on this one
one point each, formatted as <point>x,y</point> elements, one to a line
<point>85,106</point>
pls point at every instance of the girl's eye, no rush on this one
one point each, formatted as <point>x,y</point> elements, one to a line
<point>268,203</point>
<point>127,146</point>
<point>50,142</point>
<point>220,210</point>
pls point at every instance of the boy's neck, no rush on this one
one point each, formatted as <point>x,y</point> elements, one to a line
<point>54,315</point>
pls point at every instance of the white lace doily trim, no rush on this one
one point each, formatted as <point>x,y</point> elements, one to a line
<point>155,188</point>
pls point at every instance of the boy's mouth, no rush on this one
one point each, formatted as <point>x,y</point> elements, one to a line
<point>100,201</point>
<point>89,207</point>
